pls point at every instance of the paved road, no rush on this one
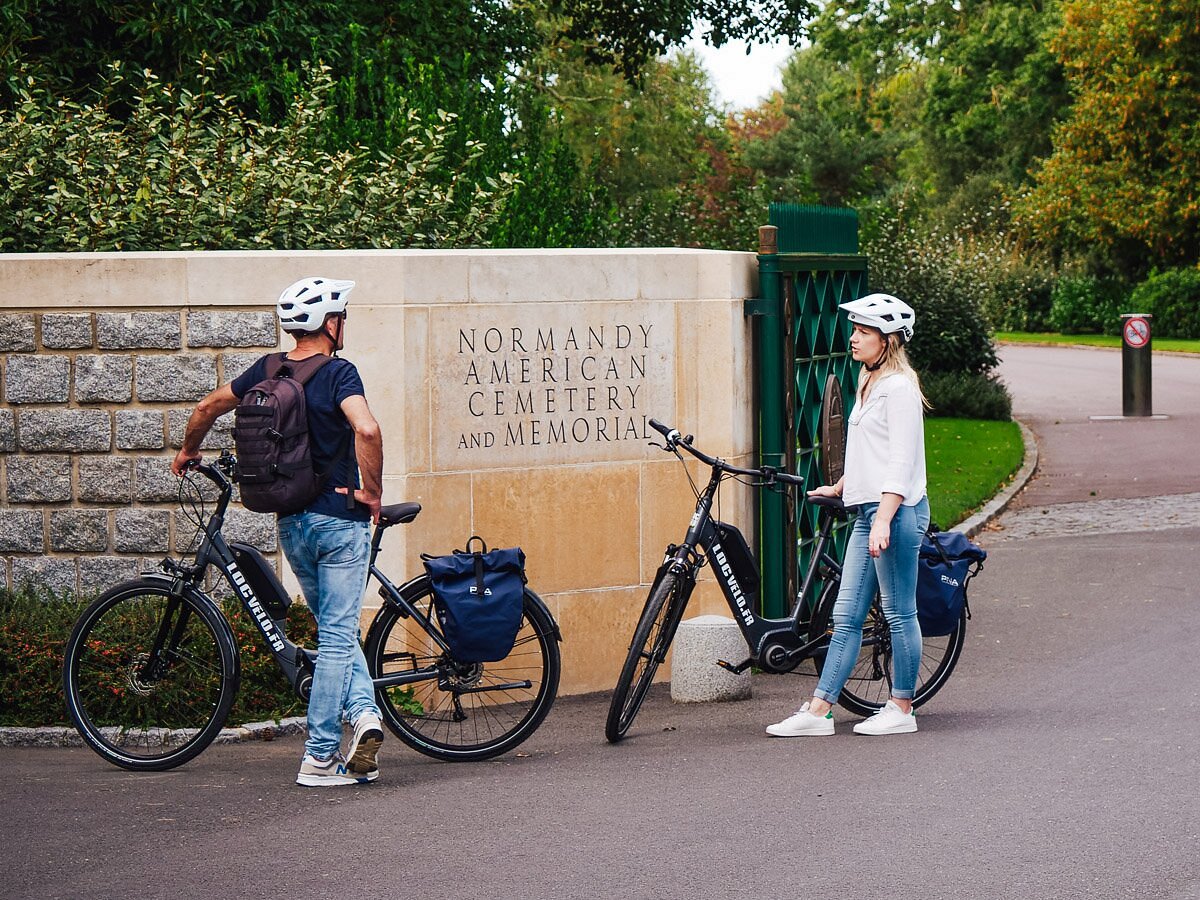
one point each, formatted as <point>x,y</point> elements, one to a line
<point>1061,761</point>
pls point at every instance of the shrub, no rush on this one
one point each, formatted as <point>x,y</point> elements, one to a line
<point>966,395</point>
<point>35,625</point>
<point>169,168</point>
<point>931,272</point>
<point>1173,298</point>
<point>1086,305</point>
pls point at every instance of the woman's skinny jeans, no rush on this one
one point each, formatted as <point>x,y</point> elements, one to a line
<point>894,575</point>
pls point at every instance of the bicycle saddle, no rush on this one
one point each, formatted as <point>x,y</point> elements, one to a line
<point>833,504</point>
<point>398,514</point>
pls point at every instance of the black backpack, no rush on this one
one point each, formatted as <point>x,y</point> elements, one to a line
<point>270,431</point>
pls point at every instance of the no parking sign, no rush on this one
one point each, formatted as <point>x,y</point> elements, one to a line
<point>1136,331</point>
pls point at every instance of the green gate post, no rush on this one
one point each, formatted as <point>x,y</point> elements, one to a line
<point>808,263</point>
<point>768,320</point>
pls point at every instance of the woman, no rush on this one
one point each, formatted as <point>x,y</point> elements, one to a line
<point>885,481</point>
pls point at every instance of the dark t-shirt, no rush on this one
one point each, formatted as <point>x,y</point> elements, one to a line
<point>330,433</point>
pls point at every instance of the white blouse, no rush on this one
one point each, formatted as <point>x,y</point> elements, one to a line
<point>885,444</point>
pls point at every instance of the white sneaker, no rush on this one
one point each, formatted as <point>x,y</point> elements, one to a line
<point>889,720</point>
<point>330,773</point>
<point>364,746</point>
<point>801,723</point>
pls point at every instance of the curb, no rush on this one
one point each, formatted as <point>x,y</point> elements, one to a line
<point>974,524</point>
<point>63,736</point>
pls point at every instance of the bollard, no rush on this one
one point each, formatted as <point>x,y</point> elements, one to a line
<point>1135,365</point>
<point>695,675</point>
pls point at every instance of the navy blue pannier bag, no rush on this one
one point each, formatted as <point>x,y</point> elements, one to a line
<point>479,597</point>
<point>946,562</point>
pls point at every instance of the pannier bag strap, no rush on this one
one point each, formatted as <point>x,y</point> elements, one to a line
<point>932,534</point>
<point>478,557</point>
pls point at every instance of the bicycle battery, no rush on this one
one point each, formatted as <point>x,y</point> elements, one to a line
<point>739,555</point>
<point>261,577</point>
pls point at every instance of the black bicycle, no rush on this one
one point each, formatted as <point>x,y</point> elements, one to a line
<point>151,668</point>
<point>777,646</point>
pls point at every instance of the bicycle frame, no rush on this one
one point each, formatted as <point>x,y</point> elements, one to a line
<point>298,663</point>
<point>776,645</point>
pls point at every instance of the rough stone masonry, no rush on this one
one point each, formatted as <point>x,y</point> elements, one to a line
<point>94,405</point>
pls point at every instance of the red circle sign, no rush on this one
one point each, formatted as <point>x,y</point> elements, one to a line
<point>1136,332</point>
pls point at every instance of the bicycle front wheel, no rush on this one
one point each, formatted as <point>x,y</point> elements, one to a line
<point>463,711</point>
<point>870,683</point>
<point>651,641</point>
<point>149,675</point>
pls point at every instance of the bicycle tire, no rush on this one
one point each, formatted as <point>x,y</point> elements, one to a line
<point>870,683</point>
<point>647,651</point>
<point>431,716</point>
<point>150,721</point>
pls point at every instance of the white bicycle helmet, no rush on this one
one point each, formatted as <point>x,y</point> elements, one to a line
<point>304,305</point>
<point>889,314</point>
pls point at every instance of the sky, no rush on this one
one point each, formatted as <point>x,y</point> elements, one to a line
<point>742,80</point>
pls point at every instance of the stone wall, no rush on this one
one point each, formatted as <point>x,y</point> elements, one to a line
<point>95,405</point>
<point>513,389</point>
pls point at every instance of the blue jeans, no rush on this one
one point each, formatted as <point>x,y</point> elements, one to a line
<point>330,557</point>
<point>894,575</point>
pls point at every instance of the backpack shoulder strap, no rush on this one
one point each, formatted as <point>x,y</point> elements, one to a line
<point>275,362</point>
<point>301,370</point>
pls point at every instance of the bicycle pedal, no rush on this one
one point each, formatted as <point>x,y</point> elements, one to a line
<point>736,670</point>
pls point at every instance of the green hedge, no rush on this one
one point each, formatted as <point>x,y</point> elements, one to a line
<point>965,395</point>
<point>1173,298</point>
<point>35,625</point>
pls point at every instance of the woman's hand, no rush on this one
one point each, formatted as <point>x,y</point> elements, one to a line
<point>880,537</point>
<point>827,490</point>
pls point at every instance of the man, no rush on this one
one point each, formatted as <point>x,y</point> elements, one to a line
<point>327,544</point>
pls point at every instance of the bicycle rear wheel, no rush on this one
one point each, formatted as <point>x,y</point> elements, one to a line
<point>467,711</point>
<point>149,675</point>
<point>651,641</point>
<point>870,683</point>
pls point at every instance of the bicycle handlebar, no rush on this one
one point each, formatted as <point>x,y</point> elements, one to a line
<point>675,440</point>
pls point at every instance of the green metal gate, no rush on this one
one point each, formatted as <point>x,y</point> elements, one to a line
<point>808,263</point>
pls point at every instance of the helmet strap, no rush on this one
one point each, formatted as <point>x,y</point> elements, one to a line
<point>874,367</point>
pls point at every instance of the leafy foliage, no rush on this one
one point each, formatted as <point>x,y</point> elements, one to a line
<point>35,625</point>
<point>189,169</point>
<point>966,395</point>
<point>939,275</point>
<point>1084,304</point>
<point>1124,178</point>
<point>627,33</point>
<point>1173,298</point>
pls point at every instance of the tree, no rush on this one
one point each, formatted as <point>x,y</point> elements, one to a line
<point>832,148</point>
<point>1123,181</point>
<point>627,33</point>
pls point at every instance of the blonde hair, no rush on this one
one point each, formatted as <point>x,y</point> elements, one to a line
<point>894,361</point>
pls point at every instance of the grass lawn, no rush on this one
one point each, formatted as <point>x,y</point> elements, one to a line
<point>967,461</point>
<point>1175,345</point>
